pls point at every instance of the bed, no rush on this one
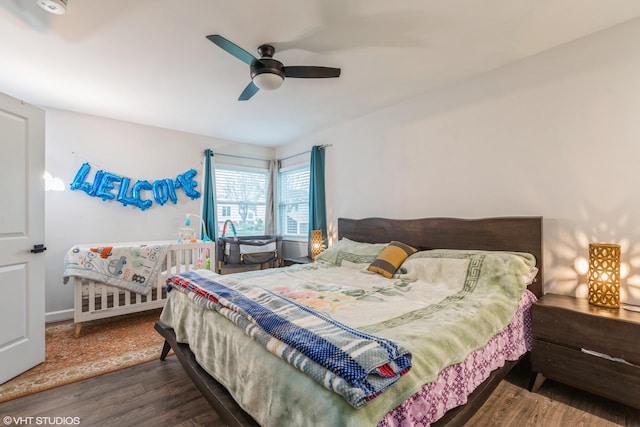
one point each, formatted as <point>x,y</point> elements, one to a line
<point>97,270</point>
<point>518,234</point>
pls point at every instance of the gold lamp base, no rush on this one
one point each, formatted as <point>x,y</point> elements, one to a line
<point>604,298</point>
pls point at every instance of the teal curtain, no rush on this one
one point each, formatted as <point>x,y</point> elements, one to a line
<point>208,203</point>
<point>317,204</point>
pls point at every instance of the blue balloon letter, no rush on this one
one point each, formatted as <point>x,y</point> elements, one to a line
<point>135,193</point>
<point>106,185</point>
<point>187,183</point>
<point>122,194</point>
<point>160,191</point>
<point>78,182</point>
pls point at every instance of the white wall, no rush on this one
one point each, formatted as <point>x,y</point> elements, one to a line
<point>556,135</point>
<point>125,149</point>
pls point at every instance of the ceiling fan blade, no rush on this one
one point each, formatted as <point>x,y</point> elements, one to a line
<point>232,48</point>
<point>248,92</point>
<point>311,72</point>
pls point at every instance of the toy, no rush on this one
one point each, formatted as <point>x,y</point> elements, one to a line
<point>187,234</point>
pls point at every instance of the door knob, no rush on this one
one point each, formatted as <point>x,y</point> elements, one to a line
<point>38,248</point>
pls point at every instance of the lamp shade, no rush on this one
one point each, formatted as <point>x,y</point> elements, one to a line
<point>268,81</point>
<point>316,243</point>
<point>604,275</point>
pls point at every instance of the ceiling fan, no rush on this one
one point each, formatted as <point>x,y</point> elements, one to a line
<point>266,72</point>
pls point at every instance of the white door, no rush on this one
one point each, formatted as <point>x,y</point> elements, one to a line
<point>21,227</point>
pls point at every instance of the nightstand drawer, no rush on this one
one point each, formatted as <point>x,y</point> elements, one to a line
<point>614,380</point>
<point>572,322</point>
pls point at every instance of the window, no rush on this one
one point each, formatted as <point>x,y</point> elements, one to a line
<point>241,197</point>
<point>293,201</point>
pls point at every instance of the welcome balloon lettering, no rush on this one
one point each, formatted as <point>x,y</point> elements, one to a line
<point>109,186</point>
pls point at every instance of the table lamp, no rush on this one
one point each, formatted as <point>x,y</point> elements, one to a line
<point>604,275</point>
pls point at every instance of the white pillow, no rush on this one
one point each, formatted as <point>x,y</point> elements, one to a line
<point>449,265</point>
<point>350,248</point>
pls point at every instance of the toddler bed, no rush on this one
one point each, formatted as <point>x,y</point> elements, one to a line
<point>258,386</point>
<point>121,278</point>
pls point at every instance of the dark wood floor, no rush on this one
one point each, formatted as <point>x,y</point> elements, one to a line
<point>151,394</point>
<point>555,404</point>
<point>161,394</point>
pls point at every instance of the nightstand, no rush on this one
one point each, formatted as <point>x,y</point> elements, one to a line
<point>583,346</point>
<point>299,260</point>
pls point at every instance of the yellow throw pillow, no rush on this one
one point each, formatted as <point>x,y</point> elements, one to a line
<point>391,258</point>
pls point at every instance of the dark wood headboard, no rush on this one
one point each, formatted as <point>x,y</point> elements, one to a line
<point>520,234</point>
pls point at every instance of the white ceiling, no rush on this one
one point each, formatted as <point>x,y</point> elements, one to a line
<point>148,61</point>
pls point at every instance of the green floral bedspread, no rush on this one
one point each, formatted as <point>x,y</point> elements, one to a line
<point>442,306</point>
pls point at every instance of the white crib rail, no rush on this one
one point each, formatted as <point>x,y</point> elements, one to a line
<point>94,300</point>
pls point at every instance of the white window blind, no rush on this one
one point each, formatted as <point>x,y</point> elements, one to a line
<point>293,202</point>
<point>241,197</point>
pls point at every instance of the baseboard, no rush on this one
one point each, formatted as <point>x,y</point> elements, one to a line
<point>58,316</point>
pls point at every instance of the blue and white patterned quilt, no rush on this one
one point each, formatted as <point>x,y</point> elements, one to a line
<point>130,266</point>
<point>356,365</point>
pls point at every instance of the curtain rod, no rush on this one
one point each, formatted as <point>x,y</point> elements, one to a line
<point>241,157</point>
<point>304,152</point>
<point>263,159</point>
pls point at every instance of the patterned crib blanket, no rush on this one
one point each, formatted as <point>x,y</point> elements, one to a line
<point>356,365</point>
<point>130,266</point>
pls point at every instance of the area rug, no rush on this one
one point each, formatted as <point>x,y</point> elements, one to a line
<point>105,345</point>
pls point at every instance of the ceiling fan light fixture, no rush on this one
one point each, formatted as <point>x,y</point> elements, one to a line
<point>58,7</point>
<point>268,73</point>
<point>268,81</point>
